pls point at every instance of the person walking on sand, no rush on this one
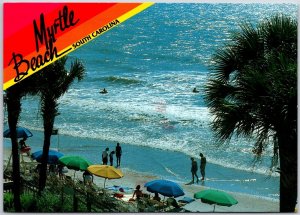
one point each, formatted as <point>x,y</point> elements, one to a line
<point>111,158</point>
<point>194,170</point>
<point>202,166</point>
<point>105,156</point>
<point>118,154</point>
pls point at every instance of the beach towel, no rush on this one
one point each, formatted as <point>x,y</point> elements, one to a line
<point>122,189</point>
<point>118,195</point>
<point>186,200</point>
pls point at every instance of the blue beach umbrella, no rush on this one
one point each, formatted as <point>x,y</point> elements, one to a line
<point>21,133</point>
<point>53,156</point>
<point>165,188</point>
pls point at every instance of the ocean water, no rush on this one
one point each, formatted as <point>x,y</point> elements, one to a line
<point>149,65</point>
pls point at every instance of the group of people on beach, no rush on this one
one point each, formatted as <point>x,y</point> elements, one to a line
<point>194,168</point>
<point>106,154</point>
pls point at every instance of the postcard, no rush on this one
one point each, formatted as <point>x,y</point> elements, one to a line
<point>132,107</point>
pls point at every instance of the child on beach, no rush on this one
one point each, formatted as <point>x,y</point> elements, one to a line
<point>111,158</point>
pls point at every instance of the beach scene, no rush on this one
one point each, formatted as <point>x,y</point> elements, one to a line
<point>154,68</point>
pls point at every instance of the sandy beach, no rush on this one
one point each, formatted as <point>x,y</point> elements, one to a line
<point>246,203</point>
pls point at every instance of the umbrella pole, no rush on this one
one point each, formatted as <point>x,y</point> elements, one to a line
<point>104,182</point>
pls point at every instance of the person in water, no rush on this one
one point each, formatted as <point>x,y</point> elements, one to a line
<point>104,91</point>
<point>202,166</point>
<point>194,170</point>
<point>195,90</point>
<point>118,154</point>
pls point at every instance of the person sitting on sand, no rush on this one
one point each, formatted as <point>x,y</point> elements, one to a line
<point>195,90</point>
<point>104,91</point>
<point>24,148</point>
<point>156,197</point>
<point>138,193</point>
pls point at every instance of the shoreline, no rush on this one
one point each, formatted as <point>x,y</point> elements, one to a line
<point>247,203</point>
<point>165,164</point>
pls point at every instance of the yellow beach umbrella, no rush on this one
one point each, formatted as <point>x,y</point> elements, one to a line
<point>105,171</point>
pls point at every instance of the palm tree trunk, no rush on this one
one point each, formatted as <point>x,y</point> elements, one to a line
<point>288,171</point>
<point>13,109</point>
<point>48,112</point>
<point>43,170</point>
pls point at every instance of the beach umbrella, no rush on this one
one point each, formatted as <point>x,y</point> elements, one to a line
<point>53,156</point>
<point>75,162</point>
<point>165,188</point>
<point>21,133</point>
<point>105,171</point>
<point>215,197</point>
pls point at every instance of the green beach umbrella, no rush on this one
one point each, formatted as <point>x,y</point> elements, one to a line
<point>75,162</point>
<point>215,197</point>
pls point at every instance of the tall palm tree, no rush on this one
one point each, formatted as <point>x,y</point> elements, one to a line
<point>55,80</point>
<point>14,95</point>
<point>14,108</point>
<point>253,91</point>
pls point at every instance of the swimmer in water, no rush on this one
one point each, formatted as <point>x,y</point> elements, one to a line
<point>195,90</point>
<point>104,91</point>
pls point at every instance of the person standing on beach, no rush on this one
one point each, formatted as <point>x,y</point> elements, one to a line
<point>111,158</point>
<point>202,166</point>
<point>105,156</point>
<point>118,154</point>
<point>194,170</point>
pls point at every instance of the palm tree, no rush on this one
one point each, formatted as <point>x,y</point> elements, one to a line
<point>14,95</point>
<point>55,80</point>
<point>14,108</point>
<point>253,91</point>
